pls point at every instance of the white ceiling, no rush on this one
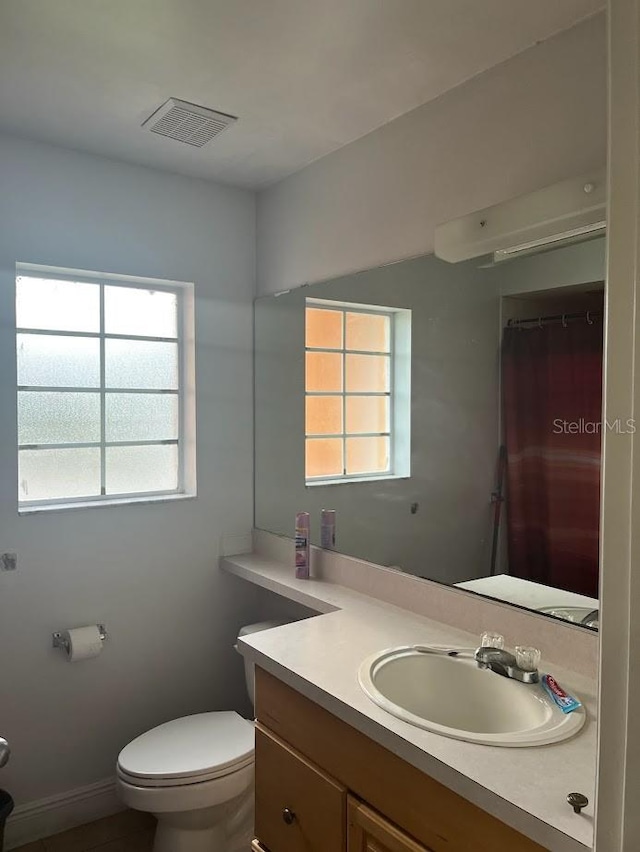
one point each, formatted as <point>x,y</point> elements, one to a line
<point>304,76</point>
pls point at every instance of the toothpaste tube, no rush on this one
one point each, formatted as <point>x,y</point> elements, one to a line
<point>565,702</point>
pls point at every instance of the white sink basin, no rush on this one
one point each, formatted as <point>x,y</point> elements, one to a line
<point>569,613</point>
<point>453,697</point>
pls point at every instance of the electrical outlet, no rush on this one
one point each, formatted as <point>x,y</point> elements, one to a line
<point>8,561</point>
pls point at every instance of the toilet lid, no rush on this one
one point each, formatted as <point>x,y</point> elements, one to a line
<point>207,744</point>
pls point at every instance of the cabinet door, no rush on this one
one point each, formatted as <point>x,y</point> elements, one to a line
<point>298,807</point>
<point>370,832</point>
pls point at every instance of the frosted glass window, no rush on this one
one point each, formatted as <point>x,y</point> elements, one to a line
<point>59,473</point>
<point>367,414</point>
<point>348,392</point>
<point>141,364</point>
<point>368,332</point>
<point>367,455</point>
<point>99,407</point>
<point>58,418</point>
<point>57,361</point>
<point>143,313</point>
<point>323,328</point>
<point>367,373</point>
<point>132,470</point>
<point>323,371</point>
<point>324,457</point>
<point>324,415</point>
<point>141,416</point>
<point>57,305</point>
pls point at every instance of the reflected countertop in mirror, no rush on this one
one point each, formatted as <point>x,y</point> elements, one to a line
<point>559,603</point>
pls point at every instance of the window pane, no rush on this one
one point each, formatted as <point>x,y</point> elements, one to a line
<point>324,415</point>
<point>58,418</point>
<point>323,328</point>
<point>45,360</point>
<point>140,469</point>
<point>367,455</point>
<point>368,332</point>
<point>52,474</point>
<point>141,364</point>
<point>367,414</point>
<point>151,313</point>
<point>141,416</point>
<point>324,371</point>
<point>323,457</point>
<point>367,373</point>
<point>57,305</point>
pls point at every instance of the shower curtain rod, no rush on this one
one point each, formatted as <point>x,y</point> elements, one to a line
<point>589,316</point>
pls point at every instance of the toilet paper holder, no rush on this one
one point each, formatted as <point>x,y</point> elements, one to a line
<point>59,640</point>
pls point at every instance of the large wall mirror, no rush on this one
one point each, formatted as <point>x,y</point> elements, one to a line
<point>450,415</point>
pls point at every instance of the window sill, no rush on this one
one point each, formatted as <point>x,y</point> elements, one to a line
<point>97,504</point>
<point>355,479</point>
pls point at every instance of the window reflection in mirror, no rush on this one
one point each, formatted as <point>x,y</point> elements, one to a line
<point>351,373</point>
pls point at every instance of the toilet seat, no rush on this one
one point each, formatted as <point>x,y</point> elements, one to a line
<point>187,751</point>
<point>186,798</point>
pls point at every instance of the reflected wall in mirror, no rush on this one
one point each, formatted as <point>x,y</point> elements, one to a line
<point>449,414</point>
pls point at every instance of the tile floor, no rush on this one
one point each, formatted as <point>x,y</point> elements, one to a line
<point>127,831</point>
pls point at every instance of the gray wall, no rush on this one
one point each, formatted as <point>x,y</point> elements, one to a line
<point>578,264</point>
<point>531,121</point>
<point>454,422</point>
<point>149,572</point>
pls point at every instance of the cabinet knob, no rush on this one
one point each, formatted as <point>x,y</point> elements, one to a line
<point>578,801</point>
<point>288,816</point>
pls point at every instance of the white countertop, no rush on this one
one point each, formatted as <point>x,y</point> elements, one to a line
<point>524,787</point>
<point>504,587</point>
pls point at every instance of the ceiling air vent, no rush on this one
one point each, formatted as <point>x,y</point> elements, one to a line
<point>195,125</point>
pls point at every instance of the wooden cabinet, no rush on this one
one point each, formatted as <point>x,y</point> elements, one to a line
<point>367,831</point>
<point>298,807</point>
<point>308,761</point>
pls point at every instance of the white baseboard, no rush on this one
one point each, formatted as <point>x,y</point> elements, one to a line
<point>44,817</point>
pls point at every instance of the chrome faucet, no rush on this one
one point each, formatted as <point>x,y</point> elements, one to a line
<point>504,663</point>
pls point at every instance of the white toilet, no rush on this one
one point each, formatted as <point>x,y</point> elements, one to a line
<point>195,775</point>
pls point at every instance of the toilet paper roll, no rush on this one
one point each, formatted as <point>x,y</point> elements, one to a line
<point>83,643</point>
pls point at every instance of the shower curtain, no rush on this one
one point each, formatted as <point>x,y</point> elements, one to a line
<point>552,394</point>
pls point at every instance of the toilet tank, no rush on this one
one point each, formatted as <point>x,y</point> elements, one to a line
<point>249,667</point>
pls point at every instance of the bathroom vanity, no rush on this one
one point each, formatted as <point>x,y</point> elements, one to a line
<point>321,785</point>
<point>336,771</point>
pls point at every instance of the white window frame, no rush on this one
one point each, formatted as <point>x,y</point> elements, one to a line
<point>185,442</point>
<point>399,392</point>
